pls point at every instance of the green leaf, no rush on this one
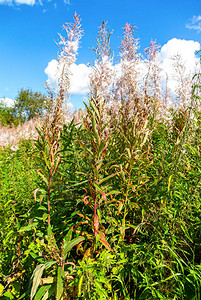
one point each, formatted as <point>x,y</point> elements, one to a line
<point>50,292</point>
<point>51,238</point>
<point>106,178</point>
<point>1,289</point>
<point>101,291</point>
<point>43,177</point>
<point>60,281</point>
<point>80,286</point>
<point>169,182</point>
<point>69,245</point>
<point>68,235</point>
<point>42,290</point>
<point>101,147</point>
<point>23,296</point>
<point>9,295</point>
<point>28,227</point>
<point>113,192</point>
<point>94,108</point>
<point>95,130</point>
<point>36,276</point>
<point>47,280</point>
<point>76,184</point>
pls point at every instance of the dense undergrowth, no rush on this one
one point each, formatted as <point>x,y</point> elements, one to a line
<point>142,241</point>
<point>107,207</point>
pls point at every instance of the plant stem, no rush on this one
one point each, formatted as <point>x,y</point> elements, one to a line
<point>48,199</point>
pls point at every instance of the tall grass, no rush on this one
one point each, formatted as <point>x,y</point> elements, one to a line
<point>108,206</point>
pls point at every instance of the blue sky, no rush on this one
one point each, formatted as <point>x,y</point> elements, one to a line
<point>28,29</point>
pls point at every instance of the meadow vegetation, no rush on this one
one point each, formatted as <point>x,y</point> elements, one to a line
<point>107,204</point>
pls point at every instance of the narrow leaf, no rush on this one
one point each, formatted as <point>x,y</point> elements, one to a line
<point>37,274</point>
<point>42,290</point>
<point>69,245</point>
<point>50,292</point>
<point>47,280</point>
<point>120,207</point>
<point>106,178</point>
<point>103,241</point>
<point>169,182</point>
<point>35,192</point>
<point>28,227</point>
<point>60,281</point>
<point>51,238</point>
<point>80,286</point>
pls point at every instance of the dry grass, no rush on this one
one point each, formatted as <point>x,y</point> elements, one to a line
<point>10,136</point>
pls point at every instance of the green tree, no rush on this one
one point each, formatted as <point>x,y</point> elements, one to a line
<point>29,105</point>
<point>6,117</point>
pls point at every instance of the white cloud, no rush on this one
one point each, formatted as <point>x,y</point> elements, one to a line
<point>186,50</point>
<point>28,2</point>
<point>52,73</point>
<point>78,79</point>
<point>80,73</point>
<point>194,23</point>
<point>10,2</point>
<point>8,101</point>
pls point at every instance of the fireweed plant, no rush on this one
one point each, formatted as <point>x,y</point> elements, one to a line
<point>106,205</point>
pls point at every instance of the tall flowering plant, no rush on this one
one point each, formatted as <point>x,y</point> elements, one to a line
<point>48,145</point>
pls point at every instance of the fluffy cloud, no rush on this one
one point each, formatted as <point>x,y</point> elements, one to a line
<point>8,101</point>
<point>10,2</point>
<point>78,79</point>
<point>186,50</point>
<point>194,23</point>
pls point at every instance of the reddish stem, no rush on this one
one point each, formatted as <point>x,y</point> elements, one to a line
<point>48,197</point>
